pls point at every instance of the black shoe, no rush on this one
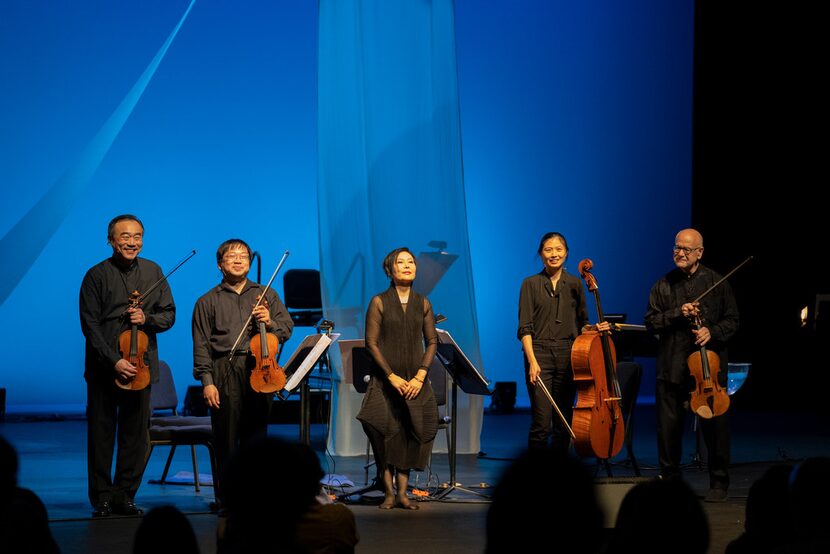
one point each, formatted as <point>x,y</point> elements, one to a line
<point>102,509</point>
<point>214,506</point>
<point>717,494</point>
<point>128,508</point>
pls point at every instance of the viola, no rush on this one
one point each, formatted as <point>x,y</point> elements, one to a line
<point>133,344</point>
<point>597,417</point>
<point>708,399</point>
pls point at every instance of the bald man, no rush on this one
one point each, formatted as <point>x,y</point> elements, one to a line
<point>670,315</point>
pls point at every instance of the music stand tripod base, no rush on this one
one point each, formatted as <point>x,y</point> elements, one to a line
<point>463,374</point>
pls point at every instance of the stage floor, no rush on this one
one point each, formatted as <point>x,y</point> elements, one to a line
<point>53,463</point>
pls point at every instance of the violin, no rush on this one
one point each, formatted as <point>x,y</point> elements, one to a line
<point>597,417</point>
<point>133,344</point>
<point>708,398</point>
<point>267,376</point>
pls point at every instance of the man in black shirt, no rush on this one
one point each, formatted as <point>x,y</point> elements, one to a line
<point>238,413</point>
<point>112,412</point>
<point>670,307</point>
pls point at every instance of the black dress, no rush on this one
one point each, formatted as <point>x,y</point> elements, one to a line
<point>401,431</point>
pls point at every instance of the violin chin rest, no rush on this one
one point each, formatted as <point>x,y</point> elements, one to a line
<point>705,412</point>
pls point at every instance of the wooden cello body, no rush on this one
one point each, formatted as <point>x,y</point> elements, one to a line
<point>597,417</point>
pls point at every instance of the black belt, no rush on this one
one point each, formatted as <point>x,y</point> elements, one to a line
<point>237,352</point>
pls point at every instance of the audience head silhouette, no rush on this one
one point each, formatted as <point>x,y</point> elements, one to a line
<point>809,491</point>
<point>661,516</point>
<point>269,485</point>
<point>543,489</point>
<point>165,529</point>
<point>24,522</point>
<point>768,522</point>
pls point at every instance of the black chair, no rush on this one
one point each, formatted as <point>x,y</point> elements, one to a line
<point>303,300</point>
<point>176,430</point>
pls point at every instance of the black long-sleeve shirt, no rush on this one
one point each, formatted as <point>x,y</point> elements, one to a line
<point>218,317</point>
<point>401,341</point>
<point>104,299</point>
<point>548,314</point>
<point>719,313</point>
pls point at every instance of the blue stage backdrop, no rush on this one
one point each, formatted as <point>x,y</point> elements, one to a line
<point>574,117</point>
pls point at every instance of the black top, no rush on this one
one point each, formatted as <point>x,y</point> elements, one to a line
<point>719,313</point>
<point>548,315</point>
<point>396,336</point>
<point>218,317</point>
<point>104,299</point>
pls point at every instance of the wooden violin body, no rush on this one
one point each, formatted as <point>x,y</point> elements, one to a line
<point>133,344</point>
<point>597,417</point>
<point>267,376</point>
<point>708,399</point>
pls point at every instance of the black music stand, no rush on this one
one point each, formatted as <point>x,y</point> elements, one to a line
<point>464,375</point>
<point>312,349</point>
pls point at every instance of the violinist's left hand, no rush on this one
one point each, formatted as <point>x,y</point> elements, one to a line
<point>702,336</point>
<point>262,315</point>
<point>137,316</point>
<point>603,327</point>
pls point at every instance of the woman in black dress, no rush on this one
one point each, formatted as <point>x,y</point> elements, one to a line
<point>399,413</point>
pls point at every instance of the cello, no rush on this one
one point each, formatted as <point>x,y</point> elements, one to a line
<point>267,375</point>
<point>597,417</point>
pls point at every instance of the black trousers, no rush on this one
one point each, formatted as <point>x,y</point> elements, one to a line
<point>546,428</point>
<point>672,406</point>
<point>122,416</point>
<point>242,414</point>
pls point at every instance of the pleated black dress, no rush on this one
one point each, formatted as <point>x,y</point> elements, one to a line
<point>401,339</point>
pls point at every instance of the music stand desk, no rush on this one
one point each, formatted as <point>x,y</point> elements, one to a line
<point>297,369</point>
<point>464,375</point>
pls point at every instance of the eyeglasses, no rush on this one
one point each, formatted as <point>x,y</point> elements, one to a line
<point>686,250</point>
<point>235,257</point>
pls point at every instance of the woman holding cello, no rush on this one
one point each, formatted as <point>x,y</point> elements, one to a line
<point>672,307</point>
<point>552,313</point>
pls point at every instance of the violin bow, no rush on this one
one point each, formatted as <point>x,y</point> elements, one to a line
<point>160,281</point>
<point>258,302</point>
<point>542,386</point>
<point>721,280</point>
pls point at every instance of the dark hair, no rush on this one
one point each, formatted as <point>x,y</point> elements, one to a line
<point>165,529</point>
<point>552,235</point>
<point>392,257</point>
<point>225,246</point>
<point>122,217</point>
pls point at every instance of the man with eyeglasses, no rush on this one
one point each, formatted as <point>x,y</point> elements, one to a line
<point>237,412</point>
<point>115,414</point>
<point>670,309</point>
